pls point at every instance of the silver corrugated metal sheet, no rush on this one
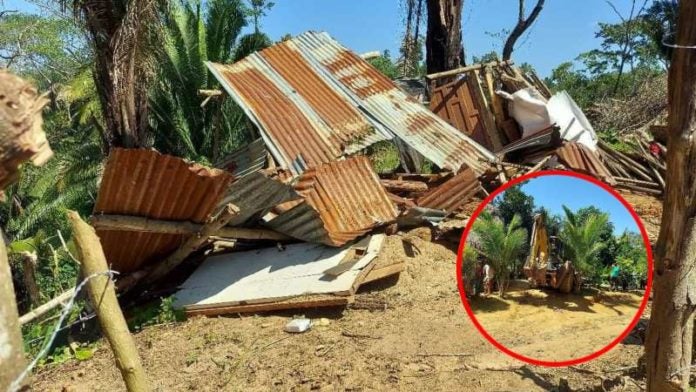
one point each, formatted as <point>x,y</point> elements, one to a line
<point>248,159</point>
<point>319,113</point>
<point>397,112</point>
<point>255,193</point>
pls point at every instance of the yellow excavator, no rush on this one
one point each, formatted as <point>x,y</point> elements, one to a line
<point>544,267</point>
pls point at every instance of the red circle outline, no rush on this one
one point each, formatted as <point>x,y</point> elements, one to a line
<point>529,360</point>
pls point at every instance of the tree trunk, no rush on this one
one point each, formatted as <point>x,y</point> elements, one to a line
<point>29,266</point>
<point>102,295</point>
<point>443,43</point>
<point>120,36</point>
<point>11,347</point>
<point>522,25</point>
<point>669,341</point>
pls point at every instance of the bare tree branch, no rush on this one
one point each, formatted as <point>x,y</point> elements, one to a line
<point>522,25</point>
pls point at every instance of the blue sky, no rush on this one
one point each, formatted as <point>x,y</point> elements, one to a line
<point>564,29</point>
<point>552,192</point>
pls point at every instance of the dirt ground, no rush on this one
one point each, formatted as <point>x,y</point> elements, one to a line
<point>423,341</point>
<point>551,326</point>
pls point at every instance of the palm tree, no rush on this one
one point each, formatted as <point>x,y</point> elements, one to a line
<point>501,244</point>
<point>122,35</point>
<point>193,35</point>
<point>582,240</point>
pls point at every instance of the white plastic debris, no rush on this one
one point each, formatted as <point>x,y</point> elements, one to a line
<point>529,109</point>
<point>298,325</point>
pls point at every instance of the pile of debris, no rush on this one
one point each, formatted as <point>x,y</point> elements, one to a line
<point>297,217</point>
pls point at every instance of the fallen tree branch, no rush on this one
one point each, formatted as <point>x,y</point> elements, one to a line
<point>45,308</point>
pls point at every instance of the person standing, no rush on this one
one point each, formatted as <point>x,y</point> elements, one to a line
<point>614,276</point>
<point>488,276</point>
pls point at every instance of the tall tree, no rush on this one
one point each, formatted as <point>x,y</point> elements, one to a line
<point>193,35</point>
<point>523,23</point>
<point>669,341</point>
<point>121,33</point>
<point>443,43</point>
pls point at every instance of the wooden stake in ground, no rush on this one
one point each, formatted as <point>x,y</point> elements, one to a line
<point>103,297</point>
<point>669,340</point>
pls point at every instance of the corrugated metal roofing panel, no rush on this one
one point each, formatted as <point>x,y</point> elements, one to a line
<point>381,99</point>
<point>248,159</point>
<point>343,200</point>
<point>453,193</point>
<point>145,183</point>
<point>304,95</point>
<point>289,128</point>
<point>346,122</point>
<point>579,158</point>
<point>254,193</point>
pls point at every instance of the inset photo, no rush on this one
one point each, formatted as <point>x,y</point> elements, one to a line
<point>554,269</point>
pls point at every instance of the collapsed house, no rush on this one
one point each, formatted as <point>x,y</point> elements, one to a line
<point>306,183</point>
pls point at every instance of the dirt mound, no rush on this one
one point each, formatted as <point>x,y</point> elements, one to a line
<point>423,340</point>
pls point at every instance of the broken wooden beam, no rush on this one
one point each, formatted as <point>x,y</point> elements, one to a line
<point>47,307</point>
<point>192,244</point>
<point>404,185</point>
<point>457,71</point>
<point>147,225</point>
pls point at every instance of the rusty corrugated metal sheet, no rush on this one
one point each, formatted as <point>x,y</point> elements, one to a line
<point>579,158</point>
<point>397,112</point>
<point>342,200</point>
<point>453,193</point>
<point>145,183</point>
<point>311,97</point>
<point>345,121</point>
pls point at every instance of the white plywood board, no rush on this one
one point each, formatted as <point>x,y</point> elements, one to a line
<point>270,274</point>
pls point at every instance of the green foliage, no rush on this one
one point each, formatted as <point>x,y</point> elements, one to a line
<point>156,313</point>
<point>193,36</point>
<point>385,65</point>
<point>513,202</point>
<point>502,244</point>
<point>384,156</point>
<point>46,50</point>
<point>582,240</point>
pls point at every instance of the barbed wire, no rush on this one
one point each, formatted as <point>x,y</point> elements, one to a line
<point>17,383</point>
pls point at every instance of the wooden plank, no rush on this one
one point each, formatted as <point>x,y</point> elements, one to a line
<point>486,113</point>
<point>320,301</point>
<point>147,225</point>
<point>381,273</point>
<point>457,71</point>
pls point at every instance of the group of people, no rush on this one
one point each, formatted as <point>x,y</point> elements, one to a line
<point>484,278</point>
<point>620,280</point>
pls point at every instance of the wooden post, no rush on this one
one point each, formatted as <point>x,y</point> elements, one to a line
<point>103,297</point>
<point>45,308</point>
<point>29,266</point>
<point>11,347</point>
<point>668,344</point>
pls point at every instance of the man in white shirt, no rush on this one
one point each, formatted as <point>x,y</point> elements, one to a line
<point>488,276</point>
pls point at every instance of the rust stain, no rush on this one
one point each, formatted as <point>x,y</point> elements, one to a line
<point>353,71</point>
<point>286,123</point>
<point>345,198</point>
<point>145,183</point>
<point>344,119</point>
<point>579,158</point>
<point>451,195</point>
